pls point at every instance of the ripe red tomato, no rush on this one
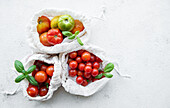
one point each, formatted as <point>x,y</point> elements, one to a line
<point>41,76</point>
<point>54,36</point>
<point>88,69</point>
<point>87,75</point>
<point>32,91</point>
<point>94,72</point>
<point>98,59</point>
<point>43,91</point>
<point>73,64</point>
<point>69,60</point>
<point>50,70</point>
<point>43,67</point>
<point>35,71</point>
<point>89,64</point>
<point>78,59</point>
<point>80,52</point>
<point>73,54</point>
<point>81,66</point>
<point>38,63</point>
<point>79,80</point>
<point>96,65</point>
<point>48,80</point>
<point>93,80</point>
<point>43,39</point>
<point>84,82</point>
<point>92,58</point>
<point>79,73</point>
<point>72,72</point>
<point>78,26</point>
<point>86,56</point>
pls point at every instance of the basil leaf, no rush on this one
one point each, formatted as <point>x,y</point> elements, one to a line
<point>72,37</point>
<point>32,80</point>
<point>108,75</point>
<point>76,33</point>
<point>109,67</point>
<point>79,41</point>
<point>19,66</point>
<point>30,69</point>
<point>19,78</point>
<point>99,76</point>
<point>67,33</point>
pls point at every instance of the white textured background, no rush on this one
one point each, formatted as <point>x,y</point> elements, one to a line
<point>135,33</point>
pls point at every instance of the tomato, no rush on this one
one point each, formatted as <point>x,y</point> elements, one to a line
<point>94,72</point>
<point>79,80</point>
<point>79,73</point>
<point>89,64</point>
<point>41,76</point>
<point>69,60</point>
<point>73,54</point>
<point>81,66</point>
<point>80,52</point>
<point>54,36</point>
<point>50,70</point>
<point>98,59</point>
<point>43,68</point>
<point>93,80</point>
<point>92,58</point>
<point>87,75</point>
<point>78,26</point>
<point>43,91</point>
<point>96,65</point>
<point>88,69</point>
<point>48,80</point>
<point>78,59</point>
<point>35,71</point>
<point>72,72</point>
<point>38,63</point>
<point>32,91</point>
<point>43,39</point>
<point>86,56</point>
<point>84,82</point>
<point>73,64</point>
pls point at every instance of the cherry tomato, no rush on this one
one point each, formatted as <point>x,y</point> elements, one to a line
<point>73,64</point>
<point>54,36</point>
<point>35,71</point>
<point>98,59</point>
<point>43,91</point>
<point>93,80</point>
<point>90,78</point>
<point>92,58</point>
<point>43,67</point>
<point>89,64</point>
<point>78,26</point>
<point>41,76</point>
<point>84,82</point>
<point>87,75</point>
<point>94,72</point>
<point>80,52</point>
<point>79,80</point>
<point>72,72</point>
<point>78,59</point>
<point>79,73</point>
<point>48,80</point>
<point>69,60</point>
<point>38,63</point>
<point>43,39</point>
<point>86,56</point>
<point>50,70</point>
<point>88,69</point>
<point>96,65</point>
<point>81,66</point>
<point>73,54</point>
<point>32,91</point>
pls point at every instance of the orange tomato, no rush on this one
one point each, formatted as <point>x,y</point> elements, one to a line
<point>78,26</point>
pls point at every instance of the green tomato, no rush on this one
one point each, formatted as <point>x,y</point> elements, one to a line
<point>65,23</point>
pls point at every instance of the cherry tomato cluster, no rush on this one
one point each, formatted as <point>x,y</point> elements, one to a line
<point>42,75</point>
<point>84,65</point>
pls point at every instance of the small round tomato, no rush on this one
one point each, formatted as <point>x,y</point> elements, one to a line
<point>89,64</point>
<point>96,65</point>
<point>32,91</point>
<point>81,66</point>
<point>88,69</point>
<point>73,54</point>
<point>86,56</point>
<point>79,80</point>
<point>79,73</point>
<point>84,82</point>
<point>54,36</point>
<point>43,91</point>
<point>73,64</point>
<point>38,63</point>
<point>43,39</point>
<point>41,76</point>
<point>80,52</point>
<point>69,60</point>
<point>78,59</point>
<point>72,72</point>
<point>93,80</point>
<point>50,70</point>
<point>94,72</point>
<point>98,59</point>
<point>48,80</point>
<point>43,68</point>
<point>87,75</point>
<point>92,58</point>
<point>35,71</point>
<point>78,26</point>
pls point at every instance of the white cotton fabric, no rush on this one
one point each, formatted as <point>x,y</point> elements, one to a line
<point>67,44</point>
<point>69,83</point>
<point>55,82</point>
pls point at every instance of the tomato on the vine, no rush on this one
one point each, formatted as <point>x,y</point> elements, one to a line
<point>54,36</point>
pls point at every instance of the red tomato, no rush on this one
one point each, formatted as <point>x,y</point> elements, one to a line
<point>92,58</point>
<point>38,63</point>
<point>41,76</point>
<point>96,65</point>
<point>69,60</point>
<point>32,91</point>
<point>50,70</point>
<point>43,39</point>
<point>87,75</point>
<point>73,54</point>
<point>72,72</point>
<point>79,73</point>
<point>88,69</point>
<point>94,72</point>
<point>78,26</point>
<point>89,64</point>
<point>79,80</point>
<point>54,36</point>
<point>35,71</point>
<point>84,82</point>
<point>86,56</point>
<point>48,80</point>
<point>43,91</point>
<point>43,68</point>
<point>73,64</point>
<point>78,59</point>
<point>93,80</point>
<point>80,52</point>
<point>81,66</point>
<point>98,59</point>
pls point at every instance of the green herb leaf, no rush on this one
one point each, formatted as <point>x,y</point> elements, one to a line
<point>67,33</point>
<point>30,69</point>
<point>99,76</point>
<point>19,78</point>
<point>109,67</point>
<point>79,41</point>
<point>47,85</point>
<point>19,66</point>
<point>76,33</point>
<point>72,37</point>
<point>108,75</point>
<point>32,80</point>
<point>88,80</point>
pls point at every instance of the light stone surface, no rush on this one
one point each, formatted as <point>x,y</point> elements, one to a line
<point>135,33</point>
